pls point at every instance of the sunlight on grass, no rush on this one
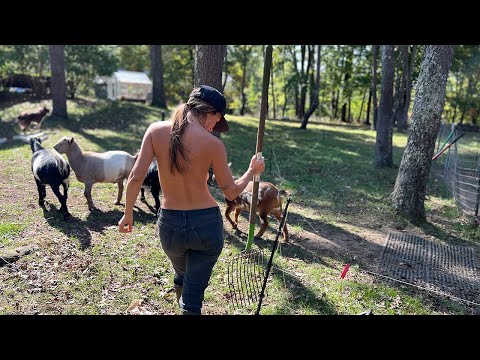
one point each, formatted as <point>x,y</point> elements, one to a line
<point>327,171</point>
<point>9,231</point>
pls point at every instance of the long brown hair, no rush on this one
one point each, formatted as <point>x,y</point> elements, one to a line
<point>199,109</point>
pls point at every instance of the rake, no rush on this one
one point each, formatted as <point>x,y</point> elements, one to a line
<point>247,274</point>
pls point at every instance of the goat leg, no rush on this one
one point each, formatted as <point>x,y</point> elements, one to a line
<point>120,192</point>
<point>88,195</point>
<point>263,225</point>
<point>156,195</point>
<point>66,184</point>
<point>228,210</point>
<point>237,212</point>
<point>62,199</point>
<point>41,193</point>
<point>278,215</point>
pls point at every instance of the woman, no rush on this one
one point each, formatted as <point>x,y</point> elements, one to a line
<point>189,221</point>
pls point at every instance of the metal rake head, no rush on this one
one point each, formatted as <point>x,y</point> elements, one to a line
<point>246,273</point>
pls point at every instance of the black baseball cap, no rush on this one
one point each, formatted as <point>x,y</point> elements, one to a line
<point>217,100</point>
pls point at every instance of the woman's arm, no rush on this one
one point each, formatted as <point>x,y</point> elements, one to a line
<point>135,180</point>
<point>232,188</point>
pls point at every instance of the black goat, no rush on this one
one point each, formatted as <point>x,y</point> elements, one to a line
<point>152,181</point>
<point>50,168</point>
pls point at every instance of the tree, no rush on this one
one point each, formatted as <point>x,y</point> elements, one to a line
<point>374,86</point>
<point>158,92</point>
<point>134,57</point>
<point>315,101</point>
<point>410,187</point>
<point>178,72</point>
<point>30,63</point>
<point>408,89</point>
<point>84,62</point>
<point>400,87</point>
<point>209,65</point>
<point>58,88</point>
<point>383,148</point>
<point>246,51</point>
<point>208,71</point>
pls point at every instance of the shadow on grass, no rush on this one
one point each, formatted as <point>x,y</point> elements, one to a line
<point>12,144</point>
<point>301,296</point>
<point>96,220</point>
<point>298,295</point>
<point>437,232</point>
<point>73,228</point>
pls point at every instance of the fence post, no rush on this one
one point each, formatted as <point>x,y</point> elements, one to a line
<point>439,139</point>
<point>478,189</point>
<point>456,187</point>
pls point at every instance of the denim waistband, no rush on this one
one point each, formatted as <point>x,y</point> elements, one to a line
<point>178,219</point>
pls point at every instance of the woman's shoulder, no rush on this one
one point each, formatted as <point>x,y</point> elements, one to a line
<point>160,126</point>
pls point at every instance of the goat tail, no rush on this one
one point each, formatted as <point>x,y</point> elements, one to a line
<point>280,195</point>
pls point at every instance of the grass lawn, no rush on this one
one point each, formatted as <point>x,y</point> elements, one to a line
<point>340,212</point>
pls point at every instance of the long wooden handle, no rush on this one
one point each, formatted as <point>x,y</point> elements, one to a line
<point>267,65</point>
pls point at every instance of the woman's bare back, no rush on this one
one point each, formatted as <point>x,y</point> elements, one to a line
<point>187,190</point>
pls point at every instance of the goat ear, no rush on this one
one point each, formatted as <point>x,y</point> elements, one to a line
<point>71,140</point>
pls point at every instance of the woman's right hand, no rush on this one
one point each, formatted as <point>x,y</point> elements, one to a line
<point>258,166</point>
<point>125,224</point>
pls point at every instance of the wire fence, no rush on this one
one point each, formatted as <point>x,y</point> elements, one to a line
<point>460,168</point>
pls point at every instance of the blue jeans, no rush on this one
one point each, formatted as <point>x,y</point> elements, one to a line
<point>193,241</point>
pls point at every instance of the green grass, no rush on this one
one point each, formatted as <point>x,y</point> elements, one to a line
<point>340,212</point>
<point>8,231</point>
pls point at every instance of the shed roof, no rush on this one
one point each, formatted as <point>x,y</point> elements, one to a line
<point>133,77</point>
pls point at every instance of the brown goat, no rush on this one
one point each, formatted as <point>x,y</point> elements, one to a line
<point>33,116</point>
<point>269,202</point>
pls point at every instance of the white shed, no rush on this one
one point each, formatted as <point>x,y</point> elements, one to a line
<point>129,85</point>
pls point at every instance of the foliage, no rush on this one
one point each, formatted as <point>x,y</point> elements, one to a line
<point>84,62</point>
<point>345,75</point>
<point>134,57</point>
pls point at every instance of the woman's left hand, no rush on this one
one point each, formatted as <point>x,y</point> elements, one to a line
<point>125,224</point>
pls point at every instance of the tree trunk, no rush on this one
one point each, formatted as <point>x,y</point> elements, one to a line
<point>383,148</point>
<point>208,67</point>
<point>244,77</point>
<point>315,99</point>
<point>399,102</point>
<point>361,106</point>
<point>367,121</point>
<point>285,93</point>
<point>332,104</point>
<point>344,112</point>
<point>273,96</point>
<point>349,109</point>
<point>410,187</point>
<point>408,88</point>
<point>303,82</point>
<point>374,86</point>
<point>225,76</point>
<point>191,51</point>
<point>58,88</point>
<point>158,91</point>
<point>296,85</point>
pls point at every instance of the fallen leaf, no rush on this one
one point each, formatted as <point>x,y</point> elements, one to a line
<point>135,303</point>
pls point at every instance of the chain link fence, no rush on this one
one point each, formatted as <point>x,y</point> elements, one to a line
<point>460,167</point>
